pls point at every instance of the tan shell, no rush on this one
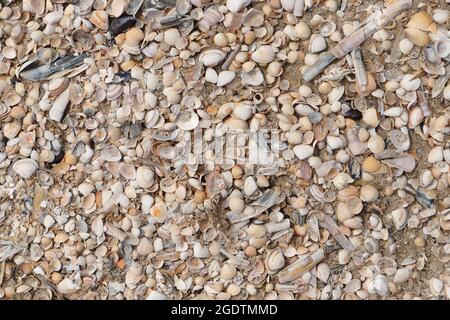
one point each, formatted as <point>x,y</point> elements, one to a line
<point>100,19</point>
<point>211,57</point>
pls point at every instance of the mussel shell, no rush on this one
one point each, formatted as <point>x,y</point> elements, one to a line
<point>121,24</point>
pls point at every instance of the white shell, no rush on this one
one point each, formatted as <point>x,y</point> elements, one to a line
<point>25,167</point>
<point>303,151</point>
<point>379,285</point>
<point>436,154</point>
<point>263,54</point>
<point>187,120</point>
<point>67,286</point>
<point>402,275</point>
<point>242,111</point>
<point>408,84</point>
<point>144,177</point>
<point>323,272</point>
<point>225,77</point>
<point>211,75</point>
<point>58,109</point>
<point>436,286</point>
<point>211,57</point>
<point>399,217</point>
<point>317,43</point>
<point>236,5</point>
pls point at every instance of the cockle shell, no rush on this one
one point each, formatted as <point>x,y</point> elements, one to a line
<point>25,168</point>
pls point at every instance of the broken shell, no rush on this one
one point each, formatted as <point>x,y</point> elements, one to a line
<point>25,168</point>
<point>67,286</point>
<point>400,140</point>
<point>436,154</point>
<point>187,120</point>
<point>379,285</point>
<point>410,84</point>
<point>440,16</point>
<point>242,111</point>
<point>327,28</point>
<point>370,117</point>
<point>236,5</point>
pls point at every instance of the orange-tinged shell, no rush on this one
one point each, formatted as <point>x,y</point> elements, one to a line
<point>421,21</point>
<point>134,36</point>
<point>418,37</point>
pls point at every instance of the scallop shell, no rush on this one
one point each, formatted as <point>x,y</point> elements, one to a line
<point>25,168</point>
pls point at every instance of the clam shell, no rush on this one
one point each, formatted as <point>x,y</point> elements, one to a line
<point>253,78</point>
<point>400,140</point>
<point>253,18</point>
<point>237,5</point>
<point>111,154</point>
<point>264,54</point>
<point>274,261</point>
<point>144,177</point>
<point>211,57</point>
<point>25,168</point>
<point>317,43</point>
<point>187,120</point>
<point>67,286</point>
<point>34,6</point>
<point>225,77</point>
<point>100,19</point>
<point>400,218</point>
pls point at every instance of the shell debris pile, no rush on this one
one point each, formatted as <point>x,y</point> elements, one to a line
<point>343,190</point>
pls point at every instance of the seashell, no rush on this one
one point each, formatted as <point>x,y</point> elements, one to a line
<point>370,87</point>
<point>288,5</point>
<point>436,286</point>
<point>400,140</point>
<point>275,68</point>
<point>323,272</point>
<point>370,117</point>
<point>368,193</point>
<point>253,18</point>
<point>187,120</point>
<point>117,8</point>
<point>237,5</point>
<point>9,53</point>
<point>410,84</point>
<point>371,245</point>
<point>228,271</point>
<point>59,106</point>
<point>134,274</point>
<point>426,178</point>
<point>211,57</point>
<point>386,265</point>
<point>209,18</point>
<point>264,54</point>
<point>114,91</point>
<point>211,75</point>
<point>236,204</point>
<point>144,177</point>
<point>399,217</point>
<point>225,77</point>
<point>127,171</point>
<point>67,286</point>
<point>402,275</point>
<point>242,111</point>
<point>34,6</point>
<point>121,24</point>
<point>327,28</point>
<point>171,36</point>
<point>303,151</point>
<point>11,130</point>
<point>420,21</point>
<point>159,211</point>
<point>57,86</point>
<point>156,295</point>
<point>100,19</point>
<point>436,154</point>
<point>10,98</point>
<point>405,46</point>
<point>442,48</point>
<point>376,144</point>
<point>183,7</point>
<point>379,285</point>
<point>25,168</point>
<point>132,39</point>
<point>254,77</point>
<point>415,117</point>
<point>317,43</point>
<point>274,261</point>
<point>111,154</point>
<point>440,16</point>
<point>418,37</point>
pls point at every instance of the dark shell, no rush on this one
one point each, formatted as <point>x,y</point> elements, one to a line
<point>121,24</point>
<point>353,114</point>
